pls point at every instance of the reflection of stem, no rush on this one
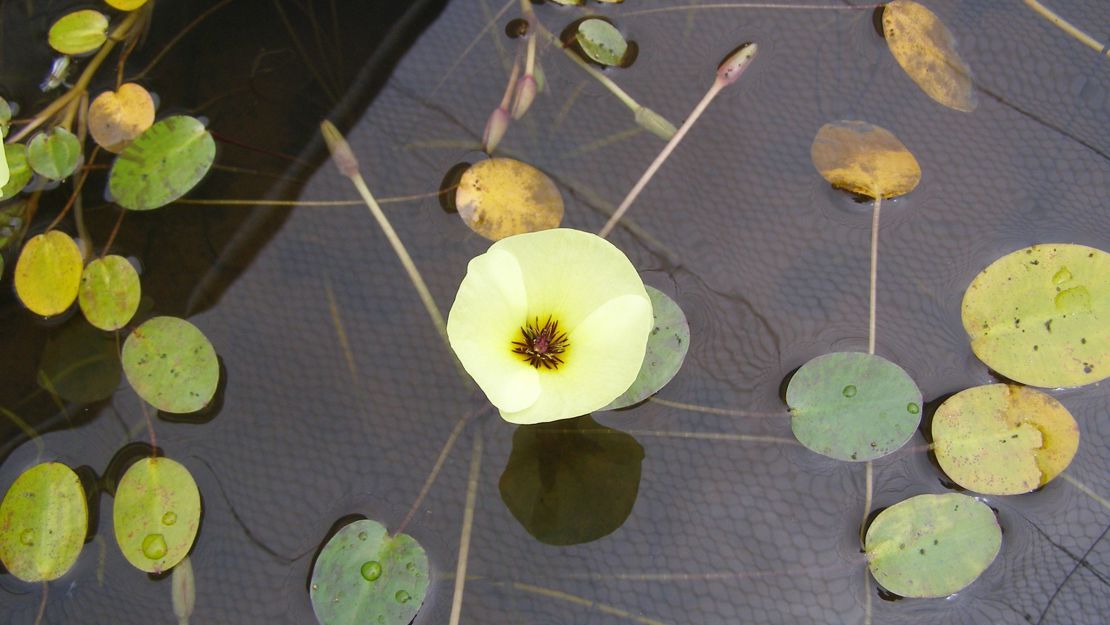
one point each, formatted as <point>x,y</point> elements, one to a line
<point>582,601</point>
<point>473,43</point>
<point>1067,27</point>
<point>1086,490</point>
<point>725,412</point>
<point>25,427</point>
<point>436,468</point>
<point>867,491</point>
<point>467,525</point>
<point>42,604</point>
<point>178,37</point>
<point>754,5</point>
<point>874,274</point>
<point>713,436</point>
<point>867,597</point>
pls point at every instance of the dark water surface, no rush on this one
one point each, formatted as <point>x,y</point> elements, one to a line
<point>338,396</point>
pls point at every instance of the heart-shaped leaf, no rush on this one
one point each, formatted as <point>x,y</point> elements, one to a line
<point>117,117</point>
<point>54,154</point>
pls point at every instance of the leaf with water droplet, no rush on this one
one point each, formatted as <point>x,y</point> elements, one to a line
<point>19,171</point>
<point>109,292</point>
<point>162,164</point>
<point>1041,315</point>
<point>666,351</point>
<point>171,365</point>
<point>364,575</point>
<point>853,406</point>
<point>932,545</point>
<point>147,491</point>
<point>80,363</point>
<point>500,197</point>
<point>54,154</point>
<point>926,50</point>
<point>117,117</point>
<point>864,158</point>
<point>601,41</point>
<point>43,521</point>
<point>1003,439</point>
<point>48,273</point>
<point>79,32</point>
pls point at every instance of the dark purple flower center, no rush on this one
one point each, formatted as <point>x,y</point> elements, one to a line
<point>541,345</point>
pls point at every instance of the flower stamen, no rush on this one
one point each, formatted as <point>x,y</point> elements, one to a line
<point>542,344</point>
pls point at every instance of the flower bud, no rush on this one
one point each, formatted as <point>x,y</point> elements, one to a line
<point>495,129</point>
<point>525,93</point>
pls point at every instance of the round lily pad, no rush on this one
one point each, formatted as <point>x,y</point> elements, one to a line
<point>932,545</point>
<point>500,197</point>
<point>48,273</point>
<point>364,575</point>
<point>79,32</point>
<point>864,158</point>
<point>156,514</point>
<point>109,292</point>
<point>171,365</point>
<point>1041,315</point>
<point>1003,439</point>
<point>43,521</point>
<point>117,117</point>
<point>666,350</point>
<point>601,41</point>
<point>162,164</point>
<point>853,406</point>
<point>54,154</point>
<point>19,171</point>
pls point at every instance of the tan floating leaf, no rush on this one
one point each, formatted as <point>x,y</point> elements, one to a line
<point>864,158</point>
<point>500,197</point>
<point>117,117</point>
<point>926,50</point>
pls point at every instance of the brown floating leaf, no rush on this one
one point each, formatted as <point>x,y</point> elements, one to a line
<point>926,50</point>
<point>863,158</point>
<point>117,117</point>
<point>500,197</point>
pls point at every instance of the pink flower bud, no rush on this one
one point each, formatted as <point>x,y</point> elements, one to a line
<point>495,129</point>
<point>525,93</point>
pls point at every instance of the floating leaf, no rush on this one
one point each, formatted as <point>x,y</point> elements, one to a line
<point>48,273</point>
<point>5,121</point>
<point>43,521</point>
<point>163,164</point>
<point>364,575</point>
<point>572,481</point>
<point>926,50</point>
<point>853,406</point>
<point>171,365</point>
<point>500,197</point>
<point>932,545</point>
<point>79,32</point>
<point>601,41</point>
<point>1003,439</point>
<point>666,350</point>
<point>864,158</point>
<point>109,293</point>
<point>156,514</point>
<point>1041,315</point>
<point>117,117</point>
<point>125,5</point>
<point>19,172</point>
<point>80,364</point>
<point>570,3</point>
<point>54,154</point>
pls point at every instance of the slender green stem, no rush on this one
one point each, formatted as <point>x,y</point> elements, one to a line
<point>873,292</point>
<point>1067,27</point>
<point>868,489</point>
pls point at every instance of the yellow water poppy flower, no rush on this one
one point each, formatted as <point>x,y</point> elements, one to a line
<point>551,324</point>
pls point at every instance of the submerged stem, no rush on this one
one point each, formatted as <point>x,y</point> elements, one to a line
<point>873,297</point>
<point>467,526</point>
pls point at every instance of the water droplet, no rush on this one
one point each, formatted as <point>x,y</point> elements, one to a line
<point>362,535</point>
<point>27,537</point>
<point>1073,300</point>
<point>371,571</point>
<point>316,586</point>
<point>849,391</point>
<point>154,546</point>
<point>169,518</point>
<point>1061,276</point>
<point>912,408</point>
<point>410,567</point>
<point>402,596</point>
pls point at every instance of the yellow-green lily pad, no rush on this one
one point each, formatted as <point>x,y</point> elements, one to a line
<point>19,171</point>
<point>162,164</point>
<point>364,575</point>
<point>156,514</point>
<point>109,292</point>
<point>863,158</point>
<point>1041,315</point>
<point>48,273</point>
<point>1003,439</point>
<point>666,350</point>
<point>43,521</point>
<point>500,197</point>
<point>853,406</point>
<point>601,41</point>
<point>79,32</point>
<point>54,154</point>
<point>932,545</point>
<point>171,365</point>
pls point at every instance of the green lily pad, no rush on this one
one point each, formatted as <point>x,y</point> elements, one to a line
<point>109,292</point>
<point>48,273</point>
<point>853,406</point>
<point>171,365</point>
<point>80,364</point>
<point>156,514</point>
<point>666,351</point>
<point>1041,315</point>
<point>601,41</point>
<point>162,164</point>
<point>79,32</point>
<point>364,575</point>
<point>932,545</point>
<point>19,172</point>
<point>1003,439</point>
<point>54,154</point>
<point>43,521</point>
